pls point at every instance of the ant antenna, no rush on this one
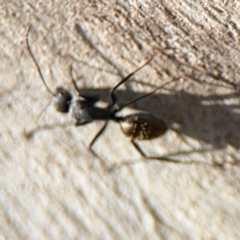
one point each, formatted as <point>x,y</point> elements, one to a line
<point>36,63</point>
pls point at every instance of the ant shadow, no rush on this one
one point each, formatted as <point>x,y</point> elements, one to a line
<point>198,117</point>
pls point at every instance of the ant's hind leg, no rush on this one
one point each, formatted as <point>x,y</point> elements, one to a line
<point>137,147</point>
<point>144,158</point>
<point>153,158</point>
<point>97,135</point>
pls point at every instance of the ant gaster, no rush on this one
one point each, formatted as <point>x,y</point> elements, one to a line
<point>139,126</point>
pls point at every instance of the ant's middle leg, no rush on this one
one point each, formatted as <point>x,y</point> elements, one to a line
<point>148,158</point>
<point>153,158</point>
<point>168,158</point>
<point>95,139</point>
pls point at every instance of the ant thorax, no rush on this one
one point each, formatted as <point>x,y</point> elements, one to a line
<point>80,111</point>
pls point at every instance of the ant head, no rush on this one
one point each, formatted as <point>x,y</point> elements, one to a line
<point>63,100</point>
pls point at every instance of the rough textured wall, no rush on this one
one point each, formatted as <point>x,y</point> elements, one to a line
<point>53,187</point>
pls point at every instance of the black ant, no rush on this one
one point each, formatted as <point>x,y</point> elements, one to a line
<point>139,126</point>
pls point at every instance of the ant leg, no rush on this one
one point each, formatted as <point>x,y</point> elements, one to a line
<point>42,112</point>
<point>164,159</point>
<point>148,158</point>
<point>91,99</point>
<point>30,133</point>
<point>95,139</point>
<point>113,96</point>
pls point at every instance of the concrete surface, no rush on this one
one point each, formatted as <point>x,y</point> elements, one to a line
<point>53,187</point>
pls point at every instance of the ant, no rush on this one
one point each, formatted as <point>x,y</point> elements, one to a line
<point>139,126</point>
